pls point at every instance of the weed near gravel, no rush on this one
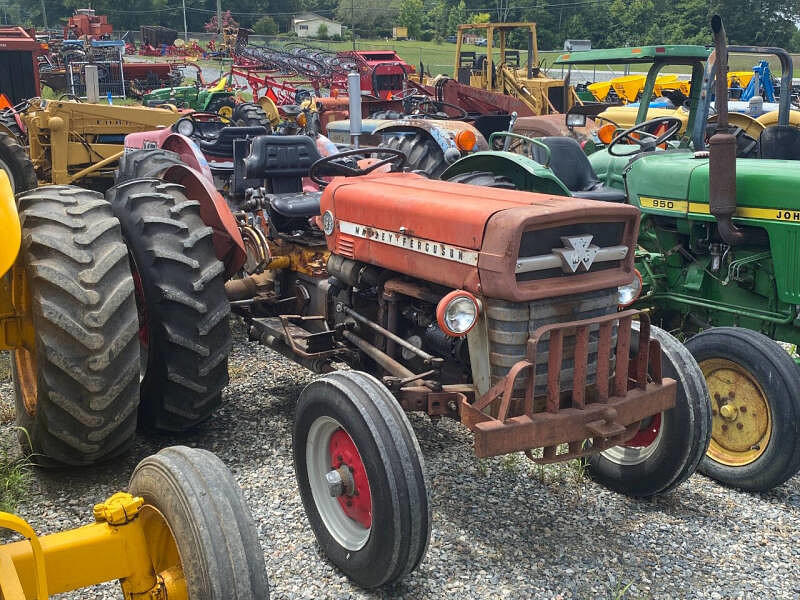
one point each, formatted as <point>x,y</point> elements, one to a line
<point>14,480</point>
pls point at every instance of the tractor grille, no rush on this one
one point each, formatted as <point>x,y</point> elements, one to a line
<point>510,324</point>
<point>542,242</point>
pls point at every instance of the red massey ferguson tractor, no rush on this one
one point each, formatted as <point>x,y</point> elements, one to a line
<point>496,308</point>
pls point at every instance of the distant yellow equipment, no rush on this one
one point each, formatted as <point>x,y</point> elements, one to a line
<point>501,70</point>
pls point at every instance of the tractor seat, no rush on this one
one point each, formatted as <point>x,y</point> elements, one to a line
<point>296,206</point>
<point>780,142</point>
<point>289,213</point>
<point>571,165</point>
<point>221,144</point>
<point>283,160</point>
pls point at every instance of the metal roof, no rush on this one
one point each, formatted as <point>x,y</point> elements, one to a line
<point>638,54</point>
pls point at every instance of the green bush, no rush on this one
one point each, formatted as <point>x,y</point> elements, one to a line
<point>426,35</point>
<point>322,32</point>
<point>266,26</point>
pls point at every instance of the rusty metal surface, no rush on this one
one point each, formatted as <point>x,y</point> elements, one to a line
<point>582,414</point>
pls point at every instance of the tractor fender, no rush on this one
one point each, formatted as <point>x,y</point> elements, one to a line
<point>526,174</point>
<point>442,132</point>
<point>771,118</point>
<point>166,139</point>
<point>228,243</point>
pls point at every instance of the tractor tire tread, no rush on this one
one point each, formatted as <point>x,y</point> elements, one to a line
<point>183,285</point>
<point>86,349</point>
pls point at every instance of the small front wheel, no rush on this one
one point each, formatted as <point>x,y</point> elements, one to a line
<point>669,446</point>
<point>755,401</point>
<point>361,478</point>
<point>197,526</point>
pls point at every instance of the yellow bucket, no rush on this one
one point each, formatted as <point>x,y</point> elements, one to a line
<point>628,86</point>
<point>599,89</point>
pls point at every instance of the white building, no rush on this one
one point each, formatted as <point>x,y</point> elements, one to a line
<point>308,24</point>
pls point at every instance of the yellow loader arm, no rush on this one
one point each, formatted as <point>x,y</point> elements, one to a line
<point>9,225</point>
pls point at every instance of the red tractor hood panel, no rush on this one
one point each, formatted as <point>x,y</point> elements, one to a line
<point>453,234</point>
<point>452,213</point>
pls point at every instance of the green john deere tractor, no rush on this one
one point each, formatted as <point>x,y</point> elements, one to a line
<point>719,245</point>
<point>219,99</point>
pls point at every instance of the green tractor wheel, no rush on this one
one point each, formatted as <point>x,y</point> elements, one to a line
<point>754,389</point>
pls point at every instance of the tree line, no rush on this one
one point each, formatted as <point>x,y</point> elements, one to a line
<point>607,23</point>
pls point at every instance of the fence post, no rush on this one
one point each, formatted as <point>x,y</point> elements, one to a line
<point>92,84</point>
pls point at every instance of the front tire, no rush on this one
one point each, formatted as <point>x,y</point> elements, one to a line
<point>250,114</point>
<point>196,520</point>
<point>669,446</point>
<point>755,400</point>
<point>78,391</point>
<point>376,529</point>
<point>423,153</point>
<point>184,313</point>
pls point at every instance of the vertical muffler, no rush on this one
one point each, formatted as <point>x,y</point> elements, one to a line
<point>722,148</point>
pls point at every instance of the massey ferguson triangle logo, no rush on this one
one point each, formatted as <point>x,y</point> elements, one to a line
<point>578,253</point>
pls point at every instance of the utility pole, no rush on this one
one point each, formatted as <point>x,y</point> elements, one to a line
<point>353,21</point>
<point>44,14</point>
<point>185,30</point>
<point>219,16</point>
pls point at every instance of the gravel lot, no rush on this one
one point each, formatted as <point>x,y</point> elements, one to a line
<point>502,528</point>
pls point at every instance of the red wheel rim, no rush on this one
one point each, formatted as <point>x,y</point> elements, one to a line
<point>141,306</point>
<point>343,452</point>
<point>646,436</point>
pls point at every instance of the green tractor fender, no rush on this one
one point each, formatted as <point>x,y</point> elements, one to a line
<point>524,172</point>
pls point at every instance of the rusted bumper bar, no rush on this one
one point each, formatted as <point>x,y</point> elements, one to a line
<point>608,413</point>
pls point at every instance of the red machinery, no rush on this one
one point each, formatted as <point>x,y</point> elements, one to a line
<point>86,23</point>
<point>382,71</point>
<point>19,71</point>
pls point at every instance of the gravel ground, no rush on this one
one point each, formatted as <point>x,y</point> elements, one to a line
<point>502,528</point>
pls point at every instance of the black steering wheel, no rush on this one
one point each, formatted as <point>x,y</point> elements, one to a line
<point>647,141</point>
<point>438,113</point>
<point>332,168</point>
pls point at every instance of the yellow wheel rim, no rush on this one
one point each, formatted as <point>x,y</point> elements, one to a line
<point>163,552</point>
<point>741,418</point>
<point>225,113</point>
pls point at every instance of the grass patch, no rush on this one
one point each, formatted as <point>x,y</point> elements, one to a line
<point>14,480</point>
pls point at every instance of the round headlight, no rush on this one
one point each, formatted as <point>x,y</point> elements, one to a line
<point>457,313</point>
<point>328,222</point>
<point>185,127</point>
<point>629,293</point>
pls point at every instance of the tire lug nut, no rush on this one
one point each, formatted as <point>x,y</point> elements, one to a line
<point>724,428</point>
<point>739,426</point>
<point>335,483</point>
<point>743,409</point>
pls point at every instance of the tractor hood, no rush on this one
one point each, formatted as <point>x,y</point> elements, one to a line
<point>670,182</point>
<point>493,242</point>
<point>765,189</point>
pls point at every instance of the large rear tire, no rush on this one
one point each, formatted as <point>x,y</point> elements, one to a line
<point>15,162</point>
<point>184,313</point>
<point>422,152</point>
<point>669,446</point>
<point>754,389</point>
<point>146,164</point>
<point>249,114</point>
<point>8,120</point>
<point>78,391</point>
<point>196,520</point>
<point>374,523</point>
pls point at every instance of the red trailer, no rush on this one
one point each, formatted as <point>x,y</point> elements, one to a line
<point>19,71</point>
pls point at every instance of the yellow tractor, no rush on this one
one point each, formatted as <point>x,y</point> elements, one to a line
<point>503,72</point>
<point>99,316</point>
<point>73,142</point>
<point>69,319</point>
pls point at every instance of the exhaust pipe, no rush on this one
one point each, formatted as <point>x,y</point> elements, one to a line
<point>722,148</point>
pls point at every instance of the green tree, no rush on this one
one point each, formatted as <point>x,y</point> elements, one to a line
<point>437,18</point>
<point>457,16</point>
<point>410,16</point>
<point>266,26</point>
<point>322,32</point>
<point>368,17</point>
